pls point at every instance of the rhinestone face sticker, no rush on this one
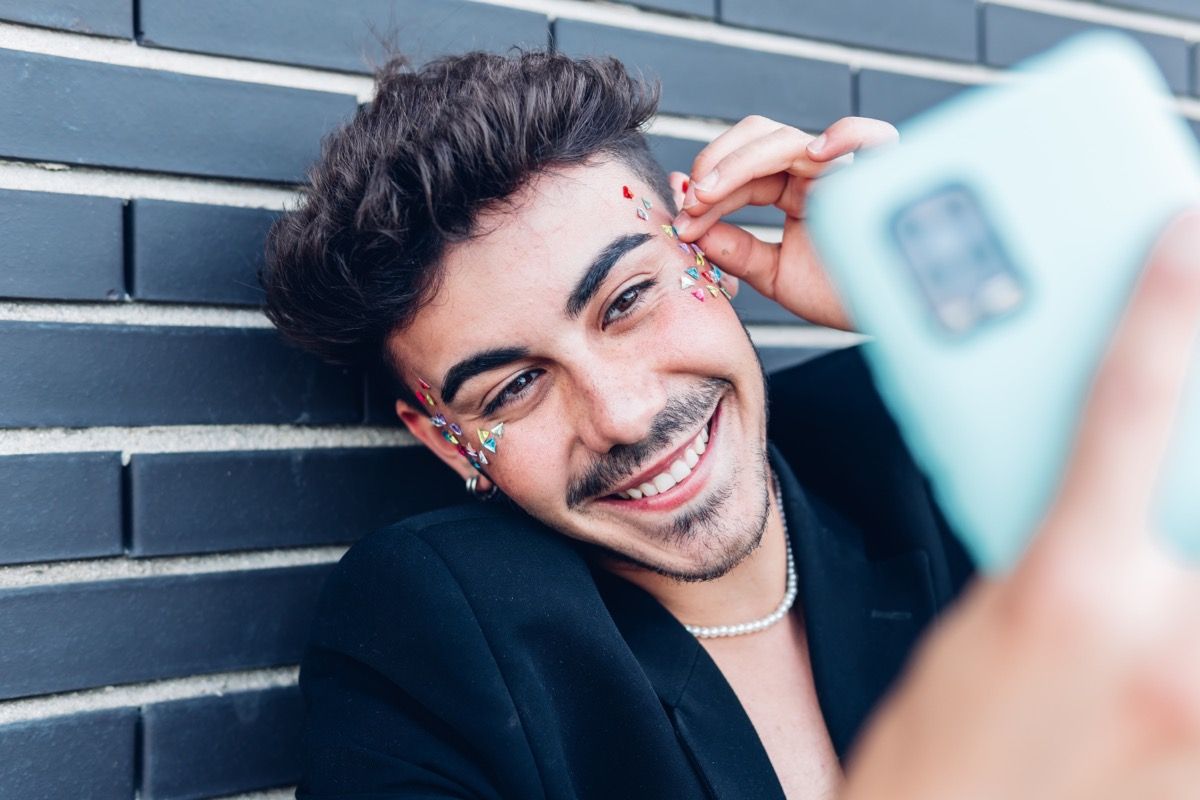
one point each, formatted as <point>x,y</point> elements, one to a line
<point>625,191</point>
<point>438,421</point>
<point>641,212</point>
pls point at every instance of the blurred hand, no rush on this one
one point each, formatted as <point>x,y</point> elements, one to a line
<point>1078,674</point>
<point>762,162</point>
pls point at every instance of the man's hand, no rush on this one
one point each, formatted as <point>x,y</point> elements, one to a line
<point>1077,675</point>
<point>762,162</point>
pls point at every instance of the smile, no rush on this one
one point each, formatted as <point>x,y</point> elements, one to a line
<point>669,481</point>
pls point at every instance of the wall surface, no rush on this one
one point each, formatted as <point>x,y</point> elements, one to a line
<point>174,482</point>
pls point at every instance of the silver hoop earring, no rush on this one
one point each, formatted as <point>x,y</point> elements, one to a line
<point>472,484</point>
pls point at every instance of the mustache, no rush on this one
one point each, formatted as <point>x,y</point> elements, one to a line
<point>618,464</point>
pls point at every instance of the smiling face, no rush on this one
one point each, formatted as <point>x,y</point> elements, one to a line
<point>634,412</point>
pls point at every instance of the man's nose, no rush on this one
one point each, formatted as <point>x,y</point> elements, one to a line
<point>617,405</point>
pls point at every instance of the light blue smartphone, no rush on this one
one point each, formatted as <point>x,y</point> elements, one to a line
<point>991,254</point>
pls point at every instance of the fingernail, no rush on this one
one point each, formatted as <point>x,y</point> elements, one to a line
<point>817,145</point>
<point>689,199</point>
<point>708,182</point>
<point>681,223</point>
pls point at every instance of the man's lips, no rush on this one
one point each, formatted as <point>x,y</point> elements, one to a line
<point>673,468</point>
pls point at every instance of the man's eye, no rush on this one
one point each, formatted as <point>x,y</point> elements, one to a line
<point>625,302</point>
<point>515,388</point>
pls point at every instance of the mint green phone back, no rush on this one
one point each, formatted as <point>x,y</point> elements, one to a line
<point>1077,162</point>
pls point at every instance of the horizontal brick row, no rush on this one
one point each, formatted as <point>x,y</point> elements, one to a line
<point>89,755</point>
<point>192,748</point>
<point>719,81</point>
<point>73,505</point>
<point>60,505</point>
<point>1012,34</point>
<point>86,112</point>
<point>101,17</point>
<point>941,28</point>
<point>64,637</point>
<point>80,375</point>
<point>1187,9</point>
<point>340,36</point>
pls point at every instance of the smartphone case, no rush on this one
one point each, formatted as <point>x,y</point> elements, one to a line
<point>990,256</point>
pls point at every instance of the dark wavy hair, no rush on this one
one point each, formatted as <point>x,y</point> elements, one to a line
<point>412,172</point>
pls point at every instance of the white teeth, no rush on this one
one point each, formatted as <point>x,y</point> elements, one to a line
<point>704,434</point>
<point>699,446</point>
<point>664,481</point>
<point>648,489</point>
<point>690,458</point>
<point>634,494</point>
<point>680,470</point>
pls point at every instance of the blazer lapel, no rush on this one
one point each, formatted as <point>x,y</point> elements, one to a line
<point>861,614</point>
<point>713,728</point>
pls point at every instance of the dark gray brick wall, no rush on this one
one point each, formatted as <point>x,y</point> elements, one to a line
<point>896,98</point>
<point>61,109</point>
<point>1011,34</point>
<point>78,375</point>
<point>941,28</point>
<point>79,635</point>
<point>60,505</point>
<point>191,252</point>
<point>83,755</point>
<point>340,36</point>
<point>283,498</point>
<point>212,746</point>
<point>720,81</point>
<point>61,246</point>
<point>100,17</point>
<point>1187,9</point>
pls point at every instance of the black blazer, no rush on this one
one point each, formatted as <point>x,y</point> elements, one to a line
<point>472,652</point>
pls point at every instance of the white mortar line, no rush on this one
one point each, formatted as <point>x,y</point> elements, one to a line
<point>132,695</point>
<point>700,130</point>
<point>286,793</point>
<point>41,176</point>
<point>807,336</point>
<point>57,573</point>
<point>127,53</point>
<point>1146,21</point>
<point>133,313</point>
<point>196,439</point>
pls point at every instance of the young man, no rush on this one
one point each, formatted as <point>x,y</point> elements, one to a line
<point>673,598</point>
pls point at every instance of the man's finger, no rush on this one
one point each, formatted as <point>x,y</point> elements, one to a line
<point>748,129</point>
<point>1127,424</point>
<point>850,134</point>
<point>761,192</point>
<point>743,255</point>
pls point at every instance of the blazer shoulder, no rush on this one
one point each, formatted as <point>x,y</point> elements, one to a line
<point>833,428</point>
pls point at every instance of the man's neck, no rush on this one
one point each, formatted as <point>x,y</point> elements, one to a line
<point>749,591</point>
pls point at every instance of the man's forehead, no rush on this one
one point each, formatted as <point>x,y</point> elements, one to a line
<point>499,287</point>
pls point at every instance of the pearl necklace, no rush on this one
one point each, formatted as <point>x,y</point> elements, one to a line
<point>785,605</point>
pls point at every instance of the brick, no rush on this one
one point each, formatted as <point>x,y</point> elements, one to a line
<point>77,375</point>
<point>754,309</point>
<point>1011,34</point>
<point>210,746</point>
<point>102,17</point>
<point>896,98</point>
<point>941,28</point>
<point>192,252</point>
<point>777,358</point>
<point>713,80</point>
<point>83,755</point>
<point>74,636</point>
<point>1179,8</point>
<point>61,109</point>
<point>281,498</point>
<point>61,246</point>
<point>680,154</point>
<point>60,505</point>
<point>694,8</point>
<point>337,35</point>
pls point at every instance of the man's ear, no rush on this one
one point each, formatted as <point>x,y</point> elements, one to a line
<point>677,181</point>
<point>419,426</point>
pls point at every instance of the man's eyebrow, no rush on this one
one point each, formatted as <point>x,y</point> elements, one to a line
<point>598,270</point>
<point>477,364</point>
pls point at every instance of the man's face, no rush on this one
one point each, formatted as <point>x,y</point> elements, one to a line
<point>567,322</point>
